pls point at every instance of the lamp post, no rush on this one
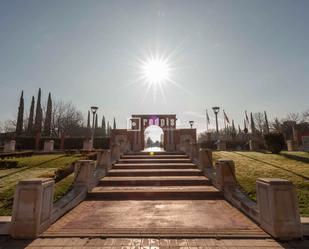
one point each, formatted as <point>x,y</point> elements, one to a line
<point>216,110</point>
<point>93,110</point>
<point>191,122</point>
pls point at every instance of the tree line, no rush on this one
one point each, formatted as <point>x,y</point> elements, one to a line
<point>53,119</point>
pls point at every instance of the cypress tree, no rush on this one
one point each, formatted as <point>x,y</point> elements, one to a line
<point>114,124</point>
<point>38,114</point>
<point>233,128</point>
<point>104,126</point>
<point>48,117</point>
<point>20,116</point>
<point>108,129</point>
<point>88,120</point>
<point>96,121</point>
<point>31,117</point>
<point>266,123</point>
<point>253,130</point>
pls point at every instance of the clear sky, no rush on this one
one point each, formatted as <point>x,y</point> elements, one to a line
<point>239,55</point>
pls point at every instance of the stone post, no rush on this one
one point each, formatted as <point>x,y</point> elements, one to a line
<point>221,145</point>
<point>291,144</point>
<point>104,159</point>
<point>278,206</point>
<point>205,158</point>
<point>225,173</point>
<point>33,202</point>
<point>9,146</point>
<point>194,153</point>
<point>122,147</point>
<point>87,144</point>
<point>83,172</point>
<point>253,145</point>
<point>49,146</point>
<point>115,152</point>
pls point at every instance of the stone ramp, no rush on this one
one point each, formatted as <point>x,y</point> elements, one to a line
<point>155,218</point>
<point>160,195</point>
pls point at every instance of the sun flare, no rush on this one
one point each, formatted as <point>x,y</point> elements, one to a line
<point>156,70</point>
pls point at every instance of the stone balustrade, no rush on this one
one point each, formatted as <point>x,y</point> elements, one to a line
<point>33,202</point>
<point>278,206</point>
<point>221,145</point>
<point>9,146</point>
<point>49,146</point>
<point>115,152</point>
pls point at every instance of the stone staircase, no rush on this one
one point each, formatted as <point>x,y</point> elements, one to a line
<point>161,176</point>
<point>160,195</point>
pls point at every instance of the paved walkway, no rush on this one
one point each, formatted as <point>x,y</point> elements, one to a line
<point>146,243</point>
<point>155,218</point>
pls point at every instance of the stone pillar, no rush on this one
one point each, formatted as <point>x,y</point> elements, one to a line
<point>194,153</point>
<point>87,144</point>
<point>33,202</point>
<point>221,145</point>
<point>225,173</point>
<point>104,159</point>
<point>83,172</point>
<point>205,158</point>
<point>291,145</point>
<point>49,146</point>
<point>123,147</point>
<point>278,206</point>
<point>9,146</point>
<point>253,145</point>
<point>115,152</point>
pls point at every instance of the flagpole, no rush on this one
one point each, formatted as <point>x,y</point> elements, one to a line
<point>206,121</point>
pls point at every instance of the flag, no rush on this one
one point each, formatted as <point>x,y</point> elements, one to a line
<point>207,117</point>
<point>225,117</point>
<point>247,118</point>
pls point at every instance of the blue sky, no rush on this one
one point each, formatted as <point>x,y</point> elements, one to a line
<point>240,55</point>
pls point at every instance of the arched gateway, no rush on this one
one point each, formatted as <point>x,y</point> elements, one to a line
<point>133,137</point>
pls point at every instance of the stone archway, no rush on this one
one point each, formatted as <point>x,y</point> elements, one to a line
<point>141,122</point>
<point>153,138</point>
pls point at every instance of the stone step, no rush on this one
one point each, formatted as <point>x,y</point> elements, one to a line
<point>156,153</point>
<point>155,166</point>
<point>153,156</point>
<point>155,172</point>
<point>155,193</point>
<point>155,160</point>
<point>155,181</point>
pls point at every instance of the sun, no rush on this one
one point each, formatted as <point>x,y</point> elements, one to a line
<point>156,70</point>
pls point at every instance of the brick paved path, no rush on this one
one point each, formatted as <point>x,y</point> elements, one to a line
<point>146,243</point>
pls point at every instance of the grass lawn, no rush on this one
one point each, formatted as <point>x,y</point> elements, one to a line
<point>32,167</point>
<point>253,165</point>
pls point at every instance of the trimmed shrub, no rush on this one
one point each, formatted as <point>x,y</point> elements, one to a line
<point>63,172</point>
<point>6,164</point>
<point>274,142</point>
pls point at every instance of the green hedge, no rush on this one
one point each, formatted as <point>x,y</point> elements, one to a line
<point>8,164</point>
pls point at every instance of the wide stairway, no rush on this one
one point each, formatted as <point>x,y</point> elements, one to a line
<point>161,176</point>
<point>157,195</point>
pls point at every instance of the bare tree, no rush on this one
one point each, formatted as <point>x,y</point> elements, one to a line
<point>8,126</point>
<point>276,125</point>
<point>259,120</point>
<point>294,116</point>
<point>65,117</point>
<point>306,115</point>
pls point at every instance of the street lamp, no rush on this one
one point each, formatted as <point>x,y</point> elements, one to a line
<point>191,122</point>
<point>93,110</point>
<point>216,110</point>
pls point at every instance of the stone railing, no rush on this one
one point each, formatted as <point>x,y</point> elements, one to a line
<point>276,210</point>
<point>33,208</point>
